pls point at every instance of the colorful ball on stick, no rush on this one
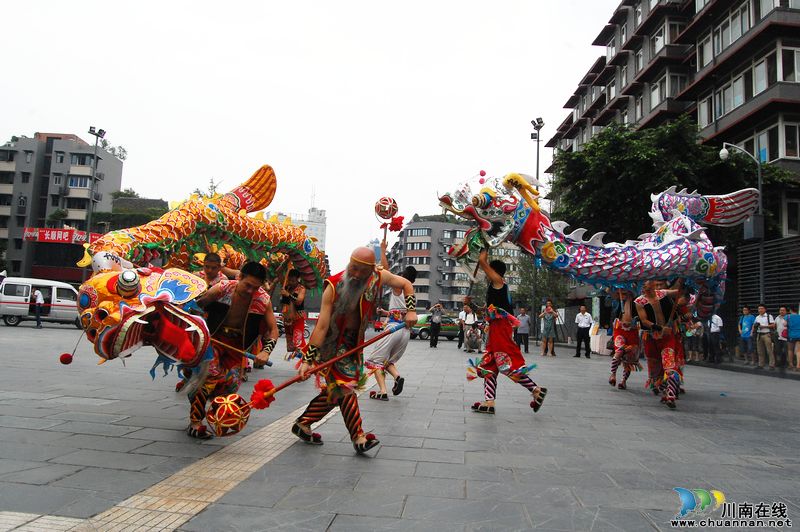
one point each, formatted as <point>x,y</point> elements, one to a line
<point>386,208</point>
<point>65,358</point>
<point>228,415</point>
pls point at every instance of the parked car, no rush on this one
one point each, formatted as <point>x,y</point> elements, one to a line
<point>17,303</point>
<point>422,329</point>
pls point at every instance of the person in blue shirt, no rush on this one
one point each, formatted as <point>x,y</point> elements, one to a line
<point>746,321</point>
<point>793,334</point>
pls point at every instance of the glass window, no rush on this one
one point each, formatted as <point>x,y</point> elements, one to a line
<point>639,109</point>
<point>793,216</point>
<point>57,179</point>
<point>789,70</point>
<point>761,146</point>
<point>738,91</point>
<point>59,156</point>
<point>637,14</point>
<point>639,60</point>
<point>772,69</point>
<point>611,49</point>
<point>727,98</point>
<point>677,83</point>
<point>26,177</point>
<point>78,182</point>
<point>704,52</point>
<point>791,147</point>
<point>65,294</point>
<point>675,29</point>
<point>657,41</point>
<point>761,8</point>
<point>623,117</point>
<point>699,5</point>
<point>623,34</point>
<point>28,156</point>
<point>658,92</point>
<point>623,76</point>
<point>653,4</point>
<point>704,114</point>
<point>773,143</point>
<point>54,200</point>
<point>16,290</point>
<point>760,77</point>
<point>611,91</point>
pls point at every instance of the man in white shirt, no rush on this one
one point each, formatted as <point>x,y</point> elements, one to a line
<point>585,322</point>
<point>39,300</point>
<point>782,340</point>
<point>714,329</point>
<point>763,327</point>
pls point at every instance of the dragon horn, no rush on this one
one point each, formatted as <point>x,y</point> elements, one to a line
<point>253,195</point>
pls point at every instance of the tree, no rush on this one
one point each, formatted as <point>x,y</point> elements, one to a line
<point>537,283</point>
<point>57,216</point>
<point>212,189</point>
<point>125,193</point>
<point>607,185</point>
<point>117,151</point>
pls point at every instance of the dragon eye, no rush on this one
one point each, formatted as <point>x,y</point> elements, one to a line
<point>100,314</point>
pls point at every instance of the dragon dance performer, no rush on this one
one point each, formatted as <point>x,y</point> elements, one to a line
<point>656,310</point>
<point>388,351</point>
<point>293,296</point>
<point>348,303</point>
<point>626,342</point>
<point>502,353</point>
<point>238,313</point>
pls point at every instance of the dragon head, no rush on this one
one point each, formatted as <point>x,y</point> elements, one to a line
<point>124,310</point>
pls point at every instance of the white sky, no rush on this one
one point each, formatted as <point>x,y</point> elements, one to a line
<point>359,99</point>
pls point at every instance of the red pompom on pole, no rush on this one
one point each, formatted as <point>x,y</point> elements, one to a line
<point>65,358</point>
<point>263,394</point>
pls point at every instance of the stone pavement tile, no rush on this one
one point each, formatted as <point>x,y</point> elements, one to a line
<point>230,518</point>
<point>8,465</point>
<point>35,423</point>
<point>97,429</point>
<point>464,472</point>
<point>11,520</point>
<point>609,462</point>
<point>171,466</point>
<point>591,479</point>
<point>589,519</point>
<point>44,500</point>
<point>256,493</point>
<point>394,441</point>
<point>109,481</point>
<point>475,513</point>
<point>665,479</point>
<point>355,523</point>
<point>92,417</point>
<point>109,459</point>
<point>292,475</point>
<point>155,422</point>
<point>31,397</point>
<point>26,411</point>
<point>44,474</point>
<point>456,445</point>
<point>365,464</point>
<point>508,460</point>
<point>420,455</point>
<point>393,484</point>
<point>102,443</point>
<point>636,499</point>
<point>550,496</point>
<point>177,435</point>
<point>31,451</point>
<point>418,432</point>
<point>29,436</point>
<point>343,501</point>
<point>189,449</point>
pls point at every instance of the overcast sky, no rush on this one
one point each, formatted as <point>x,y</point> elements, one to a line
<point>357,99</point>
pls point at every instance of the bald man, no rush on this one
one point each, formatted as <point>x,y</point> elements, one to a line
<point>348,302</point>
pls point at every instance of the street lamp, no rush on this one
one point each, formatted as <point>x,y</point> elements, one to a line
<point>537,124</point>
<point>758,217</point>
<point>98,134</point>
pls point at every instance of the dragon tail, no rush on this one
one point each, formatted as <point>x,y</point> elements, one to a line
<point>254,194</point>
<point>731,209</point>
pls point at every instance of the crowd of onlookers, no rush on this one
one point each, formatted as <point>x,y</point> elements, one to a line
<point>767,340</point>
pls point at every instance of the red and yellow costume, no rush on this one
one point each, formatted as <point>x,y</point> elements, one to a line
<point>626,352</point>
<point>663,350</point>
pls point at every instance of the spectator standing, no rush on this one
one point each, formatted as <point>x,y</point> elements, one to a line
<point>461,317</point>
<point>714,331</point>
<point>39,302</point>
<point>745,327</point>
<point>793,330</point>
<point>763,326</point>
<point>523,329</point>
<point>782,340</point>
<point>548,317</point>
<point>585,322</point>
<point>436,323</point>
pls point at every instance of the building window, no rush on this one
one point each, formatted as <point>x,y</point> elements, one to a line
<point>623,117</point>
<point>623,33</point>
<point>623,76</point>
<point>740,21</point>
<point>793,216</point>
<point>611,91</point>
<point>657,42</point>
<point>59,156</point>
<point>761,8</point>
<point>419,232</point>
<point>791,64</point>
<point>16,265</point>
<point>704,112</point>
<point>81,159</point>
<point>738,91</point>
<point>78,182</point>
<point>418,245</point>
<point>790,142</point>
<point>639,60</point>
<point>17,243</point>
<point>704,54</point>
<point>658,92</point>
<point>28,156</point>
<point>699,5</point>
<point>26,177</point>
<point>22,202</point>
<point>639,108</point>
<point>57,179</point>
<point>675,29</point>
<point>760,77</point>
<point>722,37</point>
<point>637,14</point>
<point>611,49</point>
<point>677,82</point>
<point>54,200</point>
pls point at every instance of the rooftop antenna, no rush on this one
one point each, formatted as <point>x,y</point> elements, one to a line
<point>313,195</point>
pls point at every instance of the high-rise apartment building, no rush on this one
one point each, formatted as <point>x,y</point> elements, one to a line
<point>734,65</point>
<point>45,181</point>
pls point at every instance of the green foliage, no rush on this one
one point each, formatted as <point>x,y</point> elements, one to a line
<point>607,185</point>
<point>57,215</point>
<point>537,284</point>
<point>125,193</point>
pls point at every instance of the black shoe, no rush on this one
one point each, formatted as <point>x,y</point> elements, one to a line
<point>577,356</point>
<point>587,356</point>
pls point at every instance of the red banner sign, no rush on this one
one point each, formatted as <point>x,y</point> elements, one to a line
<point>58,236</point>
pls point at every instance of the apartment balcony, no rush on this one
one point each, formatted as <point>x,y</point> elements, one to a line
<point>668,109</point>
<point>702,21</point>
<point>656,16</point>
<point>76,214</point>
<point>5,210</point>
<point>610,111</point>
<point>780,22</point>
<point>670,54</point>
<point>782,97</point>
<point>77,193</point>
<point>8,166</point>
<point>80,170</point>
<point>6,188</point>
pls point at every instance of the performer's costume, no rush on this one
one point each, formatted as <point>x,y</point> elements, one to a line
<point>295,327</point>
<point>661,351</point>
<point>341,379</point>
<point>502,353</point>
<point>390,349</point>
<point>224,371</point>
<point>626,352</point>
<point>212,282</point>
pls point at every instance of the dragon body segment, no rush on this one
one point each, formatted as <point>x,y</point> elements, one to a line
<point>508,210</point>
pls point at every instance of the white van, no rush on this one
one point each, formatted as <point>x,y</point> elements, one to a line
<point>17,303</point>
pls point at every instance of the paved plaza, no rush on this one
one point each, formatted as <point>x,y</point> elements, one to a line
<point>88,447</point>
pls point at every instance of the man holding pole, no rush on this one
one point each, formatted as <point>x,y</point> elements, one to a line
<point>348,302</point>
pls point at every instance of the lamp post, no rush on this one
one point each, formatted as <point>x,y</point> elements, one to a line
<point>758,217</point>
<point>98,134</point>
<point>537,124</point>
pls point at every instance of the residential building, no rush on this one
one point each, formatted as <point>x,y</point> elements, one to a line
<point>315,222</point>
<point>733,65</point>
<point>423,243</point>
<point>46,181</point>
